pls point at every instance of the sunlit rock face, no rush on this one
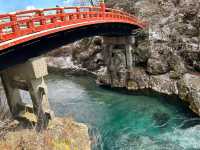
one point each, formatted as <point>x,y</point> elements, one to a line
<point>161,54</point>
<point>83,57</point>
<point>189,91</point>
<point>170,49</point>
<point>173,32</point>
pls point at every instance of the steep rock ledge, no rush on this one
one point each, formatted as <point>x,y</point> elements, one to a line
<point>83,57</point>
<point>66,65</point>
<point>166,56</point>
<point>189,91</point>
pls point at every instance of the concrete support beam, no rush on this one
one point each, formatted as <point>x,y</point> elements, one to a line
<point>20,85</point>
<point>28,76</point>
<point>38,92</point>
<point>119,40</point>
<point>127,41</point>
<point>12,94</point>
<point>129,57</point>
<point>118,58</point>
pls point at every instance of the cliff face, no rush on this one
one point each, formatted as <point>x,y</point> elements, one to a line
<point>166,57</point>
<point>172,42</point>
<point>81,57</point>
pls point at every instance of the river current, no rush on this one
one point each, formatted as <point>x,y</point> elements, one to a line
<point>122,121</point>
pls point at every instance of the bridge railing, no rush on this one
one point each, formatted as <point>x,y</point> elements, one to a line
<point>22,23</point>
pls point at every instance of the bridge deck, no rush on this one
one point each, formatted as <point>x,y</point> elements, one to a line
<point>23,26</point>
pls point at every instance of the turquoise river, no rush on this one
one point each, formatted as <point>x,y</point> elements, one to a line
<point>122,121</point>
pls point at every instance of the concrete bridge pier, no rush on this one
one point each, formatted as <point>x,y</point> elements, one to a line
<point>29,77</point>
<point>118,58</point>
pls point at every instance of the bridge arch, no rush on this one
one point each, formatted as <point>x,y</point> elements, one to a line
<point>27,39</point>
<point>28,34</point>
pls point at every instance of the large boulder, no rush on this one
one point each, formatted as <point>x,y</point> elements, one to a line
<point>157,66</point>
<point>163,84</point>
<point>138,79</point>
<point>103,77</point>
<point>189,91</point>
<point>141,54</point>
<point>160,54</point>
<point>192,59</point>
<point>177,67</point>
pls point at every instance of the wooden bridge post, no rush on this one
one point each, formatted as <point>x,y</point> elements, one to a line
<point>103,6</point>
<point>30,77</point>
<point>1,32</point>
<point>15,26</point>
<point>42,21</point>
<point>78,13</point>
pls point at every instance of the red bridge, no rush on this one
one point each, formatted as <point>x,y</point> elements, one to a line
<point>30,33</point>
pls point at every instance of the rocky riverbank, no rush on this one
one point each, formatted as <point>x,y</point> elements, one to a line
<point>166,55</point>
<point>62,133</point>
<point>65,65</point>
<point>167,58</point>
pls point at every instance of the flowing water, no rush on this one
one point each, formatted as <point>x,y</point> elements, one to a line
<point>120,121</point>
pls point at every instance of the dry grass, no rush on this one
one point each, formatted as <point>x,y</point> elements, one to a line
<point>62,134</point>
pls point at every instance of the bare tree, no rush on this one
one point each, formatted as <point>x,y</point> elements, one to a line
<point>91,2</point>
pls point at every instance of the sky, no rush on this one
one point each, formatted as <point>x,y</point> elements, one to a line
<point>13,5</point>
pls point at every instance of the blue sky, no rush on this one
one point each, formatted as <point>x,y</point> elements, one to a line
<point>13,5</point>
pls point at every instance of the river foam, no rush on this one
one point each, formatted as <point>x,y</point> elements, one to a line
<point>120,121</point>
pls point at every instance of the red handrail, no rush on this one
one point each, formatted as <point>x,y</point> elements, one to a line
<point>30,21</point>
